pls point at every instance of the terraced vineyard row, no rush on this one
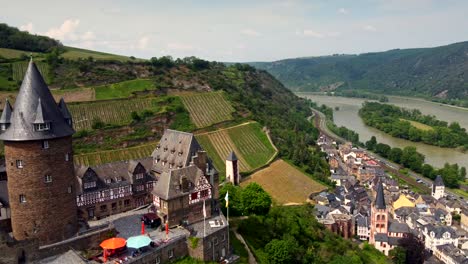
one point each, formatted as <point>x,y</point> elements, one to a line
<point>19,68</point>
<point>96,158</point>
<point>252,144</point>
<point>248,141</point>
<point>110,112</point>
<point>208,108</point>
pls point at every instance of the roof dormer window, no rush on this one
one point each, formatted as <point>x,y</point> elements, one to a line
<point>42,126</point>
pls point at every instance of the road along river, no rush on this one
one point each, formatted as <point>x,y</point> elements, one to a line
<point>347,116</point>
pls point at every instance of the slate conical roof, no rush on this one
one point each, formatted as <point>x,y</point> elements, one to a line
<point>35,103</point>
<point>64,109</point>
<point>380,198</point>
<point>438,181</point>
<point>232,156</point>
<point>6,114</point>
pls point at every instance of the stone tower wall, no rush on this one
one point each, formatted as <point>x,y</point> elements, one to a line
<point>50,211</point>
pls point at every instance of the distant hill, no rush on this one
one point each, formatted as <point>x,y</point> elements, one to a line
<point>440,72</point>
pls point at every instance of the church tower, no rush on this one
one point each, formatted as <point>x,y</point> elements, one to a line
<point>438,188</point>
<point>232,169</point>
<point>37,133</point>
<point>379,215</point>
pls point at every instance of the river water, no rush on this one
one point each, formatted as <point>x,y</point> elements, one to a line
<point>347,116</point>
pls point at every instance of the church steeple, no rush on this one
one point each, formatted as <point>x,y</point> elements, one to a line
<point>35,103</point>
<point>380,198</point>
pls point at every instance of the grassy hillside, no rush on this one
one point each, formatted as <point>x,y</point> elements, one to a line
<point>208,108</point>
<point>76,53</point>
<point>433,72</point>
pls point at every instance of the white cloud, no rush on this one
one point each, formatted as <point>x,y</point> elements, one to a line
<point>143,42</point>
<point>250,32</point>
<point>66,31</point>
<point>369,28</point>
<point>28,27</point>
<point>343,11</point>
<point>88,35</point>
<point>312,33</point>
<point>179,46</point>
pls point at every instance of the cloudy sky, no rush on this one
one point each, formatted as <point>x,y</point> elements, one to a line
<point>242,30</point>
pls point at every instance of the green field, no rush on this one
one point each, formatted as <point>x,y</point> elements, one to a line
<point>123,89</point>
<point>418,125</point>
<point>76,53</point>
<point>116,112</point>
<point>208,108</point>
<point>248,141</point>
<point>14,54</point>
<point>96,158</point>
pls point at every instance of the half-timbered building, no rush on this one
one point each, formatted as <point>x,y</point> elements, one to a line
<point>113,187</point>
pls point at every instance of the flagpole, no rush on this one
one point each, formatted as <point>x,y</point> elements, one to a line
<point>204,218</point>
<point>228,232</point>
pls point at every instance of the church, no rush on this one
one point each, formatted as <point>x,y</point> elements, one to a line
<point>384,233</point>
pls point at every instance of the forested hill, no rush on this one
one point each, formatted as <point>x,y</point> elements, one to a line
<point>440,72</point>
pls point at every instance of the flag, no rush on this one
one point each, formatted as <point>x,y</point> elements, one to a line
<point>227,199</point>
<point>204,209</point>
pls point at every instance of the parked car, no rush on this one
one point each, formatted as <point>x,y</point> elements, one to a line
<point>151,219</point>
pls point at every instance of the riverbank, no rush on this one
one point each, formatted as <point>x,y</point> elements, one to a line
<point>347,116</point>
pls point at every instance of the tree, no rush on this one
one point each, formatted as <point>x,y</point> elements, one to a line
<point>383,149</point>
<point>280,251</point>
<point>412,159</point>
<point>370,145</point>
<point>428,171</point>
<point>462,173</point>
<point>395,154</point>
<point>235,203</point>
<point>415,250</point>
<point>255,200</point>
<point>398,255</point>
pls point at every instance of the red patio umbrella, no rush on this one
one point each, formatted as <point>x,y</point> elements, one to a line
<point>113,243</point>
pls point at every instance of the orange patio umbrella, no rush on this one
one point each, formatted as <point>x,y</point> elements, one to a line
<point>113,243</point>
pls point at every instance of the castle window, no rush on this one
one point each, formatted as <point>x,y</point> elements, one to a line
<point>108,181</point>
<point>157,260</point>
<point>103,207</point>
<point>48,179</point>
<point>67,157</point>
<point>170,253</point>
<point>69,189</point>
<point>180,153</point>
<point>223,237</point>
<point>127,203</point>
<point>42,126</point>
<point>139,176</point>
<point>170,165</point>
<point>172,151</point>
<point>19,164</point>
<point>215,241</point>
<point>3,127</point>
<point>22,198</point>
<point>45,144</point>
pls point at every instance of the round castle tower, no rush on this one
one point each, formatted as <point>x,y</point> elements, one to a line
<point>38,155</point>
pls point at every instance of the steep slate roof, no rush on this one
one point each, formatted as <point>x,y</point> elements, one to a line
<point>6,114</point>
<point>176,148</point>
<point>438,181</point>
<point>168,184</point>
<point>232,156</point>
<point>454,253</point>
<point>396,227</point>
<point>35,103</point>
<point>64,109</point>
<point>440,230</point>
<point>380,198</point>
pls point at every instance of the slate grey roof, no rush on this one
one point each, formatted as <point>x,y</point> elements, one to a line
<point>440,230</point>
<point>169,183</point>
<point>394,240</point>
<point>380,198</point>
<point>6,114</point>
<point>362,220</point>
<point>381,237</point>
<point>438,181</point>
<point>175,149</point>
<point>198,228</point>
<point>396,227</point>
<point>64,109</point>
<point>232,156</point>
<point>35,103</point>
<point>69,257</point>
<point>453,252</point>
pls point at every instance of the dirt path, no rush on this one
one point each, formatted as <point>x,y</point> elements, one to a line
<point>241,239</point>
<point>209,132</point>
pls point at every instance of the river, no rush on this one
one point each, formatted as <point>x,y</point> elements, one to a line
<point>347,116</point>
